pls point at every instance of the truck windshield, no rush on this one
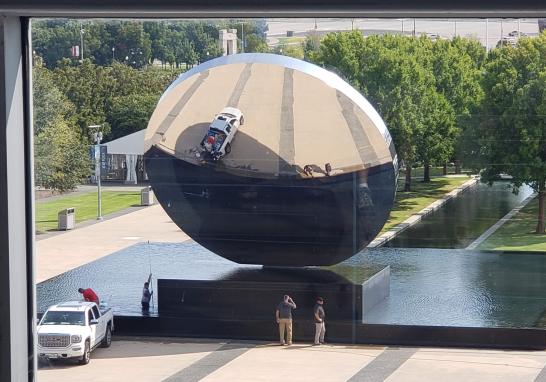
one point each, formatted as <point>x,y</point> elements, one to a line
<point>63,318</point>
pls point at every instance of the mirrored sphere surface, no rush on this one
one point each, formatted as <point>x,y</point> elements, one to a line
<point>301,170</point>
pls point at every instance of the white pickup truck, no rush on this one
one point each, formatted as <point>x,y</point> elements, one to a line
<point>73,329</point>
<point>217,142</point>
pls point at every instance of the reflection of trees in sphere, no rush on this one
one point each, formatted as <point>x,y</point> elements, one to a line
<point>309,178</point>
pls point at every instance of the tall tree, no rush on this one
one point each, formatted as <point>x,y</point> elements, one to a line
<point>457,67</point>
<point>395,73</point>
<point>512,131</point>
<point>87,86</point>
<point>130,113</point>
<point>61,160</point>
<point>49,102</point>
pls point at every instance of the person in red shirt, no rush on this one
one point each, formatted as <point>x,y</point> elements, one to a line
<point>89,295</point>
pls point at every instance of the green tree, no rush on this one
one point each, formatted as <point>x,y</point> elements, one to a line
<point>255,44</point>
<point>61,160</point>
<point>53,40</point>
<point>512,130</point>
<point>435,141</point>
<point>457,67</point>
<point>131,113</point>
<point>187,54</point>
<point>89,87</point>
<point>341,53</point>
<point>396,85</point>
<point>49,102</point>
<point>311,46</point>
<point>396,74</point>
<point>290,50</point>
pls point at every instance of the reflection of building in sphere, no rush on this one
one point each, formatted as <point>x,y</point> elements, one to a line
<point>309,179</point>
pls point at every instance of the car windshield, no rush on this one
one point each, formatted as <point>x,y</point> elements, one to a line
<point>63,318</point>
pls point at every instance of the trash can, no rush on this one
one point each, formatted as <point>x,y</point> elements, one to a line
<point>66,219</point>
<point>146,196</point>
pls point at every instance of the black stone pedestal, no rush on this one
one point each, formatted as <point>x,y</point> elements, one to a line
<point>253,294</point>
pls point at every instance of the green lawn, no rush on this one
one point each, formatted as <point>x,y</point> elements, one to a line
<point>422,194</point>
<point>291,40</point>
<point>434,171</point>
<point>85,204</point>
<point>518,233</point>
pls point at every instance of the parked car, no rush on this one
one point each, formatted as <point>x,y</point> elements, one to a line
<point>73,329</point>
<point>221,132</point>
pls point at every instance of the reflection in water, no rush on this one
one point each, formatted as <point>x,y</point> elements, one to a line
<point>462,219</point>
<point>428,286</point>
<point>459,288</point>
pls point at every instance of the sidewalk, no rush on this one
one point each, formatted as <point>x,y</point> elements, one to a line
<point>59,253</point>
<point>191,360</point>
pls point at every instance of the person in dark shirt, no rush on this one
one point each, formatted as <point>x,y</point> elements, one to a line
<point>89,295</point>
<point>284,318</point>
<point>146,295</point>
<point>320,327</point>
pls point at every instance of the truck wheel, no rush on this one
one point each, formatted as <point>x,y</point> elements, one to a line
<point>107,340</point>
<point>86,354</point>
<point>242,122</point>
<point>228,148</point>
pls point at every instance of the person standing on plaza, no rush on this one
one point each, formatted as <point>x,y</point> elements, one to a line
<point>320,327</point>
<point>284,318</point>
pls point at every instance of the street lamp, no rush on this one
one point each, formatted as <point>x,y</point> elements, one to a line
<point>81,41</point>
<point>113,53</point>
<point>97,137</point>
<point>242,36</point>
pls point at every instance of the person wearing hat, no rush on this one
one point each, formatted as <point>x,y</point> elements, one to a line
<point>320,327</point>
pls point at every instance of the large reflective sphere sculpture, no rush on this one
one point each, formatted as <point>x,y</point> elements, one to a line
<point>265,159</point>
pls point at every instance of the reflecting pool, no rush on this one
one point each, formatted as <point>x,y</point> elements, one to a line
<point>441,287</point>
<point>462,219</point>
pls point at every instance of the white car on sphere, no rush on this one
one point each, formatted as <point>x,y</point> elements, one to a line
<point>73,329</point>
<point>221,132</point>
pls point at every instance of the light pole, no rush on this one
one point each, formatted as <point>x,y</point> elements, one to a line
<point>487,35</point>
<point>97,137</point>
<point>242,37</point>
<point>113,53</point>
<point>81,41</point>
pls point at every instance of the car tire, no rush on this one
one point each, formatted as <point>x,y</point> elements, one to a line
<point>107,340</point>
<point>228,148</point>
<point>86,357</point>
<point>242,121</point>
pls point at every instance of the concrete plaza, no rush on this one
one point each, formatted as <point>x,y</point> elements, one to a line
<point>189,360</point>
<point>184,360</point>
<point>71,249</point>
